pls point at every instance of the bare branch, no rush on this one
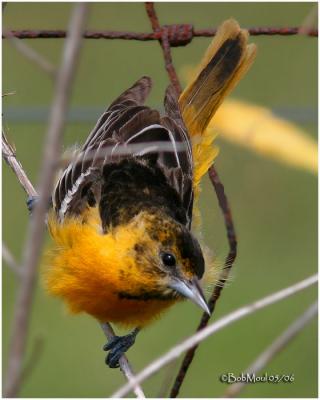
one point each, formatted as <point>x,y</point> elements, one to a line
<point>9,156</point>
<point>276,347</point>
<point>124,363</point>
<point>30,54</point>
<point>198,337</point>
<point>10,260</point>
<point>36,226</point>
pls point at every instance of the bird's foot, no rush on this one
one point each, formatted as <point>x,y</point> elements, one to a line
<point>31,202</point>
<point>117,346</point>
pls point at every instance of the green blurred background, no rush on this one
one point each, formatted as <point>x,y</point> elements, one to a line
<point>274,206</point>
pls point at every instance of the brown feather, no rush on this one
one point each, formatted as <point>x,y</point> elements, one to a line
<point>127,122</point>
<point>226,61</point>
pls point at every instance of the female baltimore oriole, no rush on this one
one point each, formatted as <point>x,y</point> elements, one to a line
<point>122,209</point>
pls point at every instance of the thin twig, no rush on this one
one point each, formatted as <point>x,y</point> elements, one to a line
<point>36,230</point>
<point>30,54</point>
<point>10,260</point>
<point>9,155</point>
<point>124,363</point>
<point>198,337</point>
<point>276,347</point>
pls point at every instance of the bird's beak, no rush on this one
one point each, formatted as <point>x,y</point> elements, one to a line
<point>192,291</point>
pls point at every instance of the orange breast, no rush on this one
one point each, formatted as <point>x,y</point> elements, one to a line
<point>129,313</point>
<point>88,270</point>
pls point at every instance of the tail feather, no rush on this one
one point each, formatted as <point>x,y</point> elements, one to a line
<point>226,61</point>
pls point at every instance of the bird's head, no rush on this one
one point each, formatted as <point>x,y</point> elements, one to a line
<point>168,260</point>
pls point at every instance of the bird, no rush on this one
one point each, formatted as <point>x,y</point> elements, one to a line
<point>124,250</point>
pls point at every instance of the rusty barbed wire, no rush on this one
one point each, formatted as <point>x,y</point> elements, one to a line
<point>178,34</point>
<point>257,31</point>
<point>164,41</point>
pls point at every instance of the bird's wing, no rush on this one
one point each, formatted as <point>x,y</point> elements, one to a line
<point>128,129</point>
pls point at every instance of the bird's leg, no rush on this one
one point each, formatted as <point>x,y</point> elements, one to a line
<point>117,346</point>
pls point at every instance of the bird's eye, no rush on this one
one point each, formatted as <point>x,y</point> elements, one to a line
<point>168,259</point>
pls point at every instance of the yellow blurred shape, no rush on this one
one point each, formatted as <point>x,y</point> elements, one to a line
<point>258,129</point>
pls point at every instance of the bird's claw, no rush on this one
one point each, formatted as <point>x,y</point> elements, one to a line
<point>33,200</point>
<point>117,346</point>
